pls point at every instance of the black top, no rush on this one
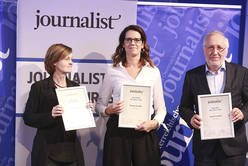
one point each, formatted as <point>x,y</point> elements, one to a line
<point>59,144</point>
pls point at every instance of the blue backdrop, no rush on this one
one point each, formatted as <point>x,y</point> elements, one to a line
<point>7,81</point>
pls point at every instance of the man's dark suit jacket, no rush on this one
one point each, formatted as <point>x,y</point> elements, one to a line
<point>195,83</point>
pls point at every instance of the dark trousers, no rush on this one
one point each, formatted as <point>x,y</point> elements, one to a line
<point>51,162</point>
<point>126,147</point>
<point>219,158</point>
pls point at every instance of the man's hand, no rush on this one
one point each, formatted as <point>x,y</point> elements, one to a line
<point>196,121</point>
<point>237,115</point>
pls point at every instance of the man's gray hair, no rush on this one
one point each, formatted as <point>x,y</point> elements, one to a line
<point>216,33</point>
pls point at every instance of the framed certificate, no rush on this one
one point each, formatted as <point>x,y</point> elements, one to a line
<point>137,101</point>
<point>76,114</point>
<point>215,111</point>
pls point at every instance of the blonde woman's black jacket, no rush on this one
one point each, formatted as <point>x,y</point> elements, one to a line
<point>42,98</point>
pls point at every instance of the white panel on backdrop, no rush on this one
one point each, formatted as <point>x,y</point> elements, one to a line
<point>23,143</point>
<point>85,25</point>
<point>91,28</point>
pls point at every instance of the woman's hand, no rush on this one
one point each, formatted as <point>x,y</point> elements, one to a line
<point>91,106</point>
<point>147,125</point>
<point>57,110</point>
<point>115,108</point>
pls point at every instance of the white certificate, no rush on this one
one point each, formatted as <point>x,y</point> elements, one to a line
<point>137,101</point>
<point>77,114</point>
<point>215,111</point>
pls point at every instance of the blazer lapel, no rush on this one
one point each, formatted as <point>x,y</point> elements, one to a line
<point>204,81</point>
<point>229,76</point>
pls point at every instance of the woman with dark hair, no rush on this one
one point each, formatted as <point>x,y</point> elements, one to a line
<point>131,64</point>
<point>52,145</point>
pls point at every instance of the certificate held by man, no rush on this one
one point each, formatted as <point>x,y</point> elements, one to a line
<point>137,105</point>
<point>77,114</point>
<point>215,111</point>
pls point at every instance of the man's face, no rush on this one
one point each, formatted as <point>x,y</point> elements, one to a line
<point>215,51</point>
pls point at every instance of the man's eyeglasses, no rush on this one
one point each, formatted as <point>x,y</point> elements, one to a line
<point>136,40</point>
<point>218,48</point>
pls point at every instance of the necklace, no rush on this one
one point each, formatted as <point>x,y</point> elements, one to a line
<point>59,85</point>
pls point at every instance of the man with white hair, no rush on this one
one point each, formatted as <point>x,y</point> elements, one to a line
<point>215,77</point>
